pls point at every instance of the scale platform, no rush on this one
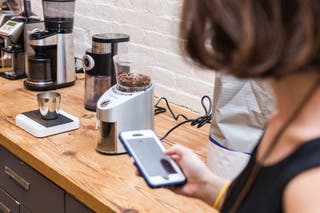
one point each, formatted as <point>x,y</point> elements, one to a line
<point>33,123</point>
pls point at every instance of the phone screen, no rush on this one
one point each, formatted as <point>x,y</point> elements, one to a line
<point>154,161</point>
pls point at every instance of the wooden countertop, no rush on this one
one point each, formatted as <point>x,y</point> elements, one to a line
<point>105,183</point>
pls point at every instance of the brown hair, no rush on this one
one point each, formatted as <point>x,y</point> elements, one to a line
<point>253,38</point>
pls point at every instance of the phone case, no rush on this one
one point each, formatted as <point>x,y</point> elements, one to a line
<point>145,177</point>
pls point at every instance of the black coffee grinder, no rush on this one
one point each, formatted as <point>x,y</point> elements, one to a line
<point>52,65</point>
<point>99,66</point>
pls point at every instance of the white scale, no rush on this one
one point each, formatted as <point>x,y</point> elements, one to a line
<point>35,125</point>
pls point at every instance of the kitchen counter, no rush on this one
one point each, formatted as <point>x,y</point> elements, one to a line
<point>105,183</point>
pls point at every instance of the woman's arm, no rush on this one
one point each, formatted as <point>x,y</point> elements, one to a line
<point>201,182</point>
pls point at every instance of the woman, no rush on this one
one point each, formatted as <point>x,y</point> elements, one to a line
<point>277,41</point>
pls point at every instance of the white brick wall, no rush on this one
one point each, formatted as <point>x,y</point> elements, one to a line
<point>153,26</point>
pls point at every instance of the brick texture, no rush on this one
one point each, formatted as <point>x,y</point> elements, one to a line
<point>153,26</point>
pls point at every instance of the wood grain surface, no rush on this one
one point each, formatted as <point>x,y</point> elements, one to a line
<point>105,183</point>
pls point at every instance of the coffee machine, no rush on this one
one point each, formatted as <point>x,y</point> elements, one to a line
<point>7,11</point>
<point>11,46</point>
<point>15,33</point>
<point>52,65</point>
<point>12,54</point>
<point>128,105</point>
<point>32,23</point>
<point>99,67</point>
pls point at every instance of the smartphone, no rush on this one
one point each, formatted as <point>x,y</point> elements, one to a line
<point>147,153</point>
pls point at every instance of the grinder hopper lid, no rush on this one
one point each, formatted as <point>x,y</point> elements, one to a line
<point>110,37</point>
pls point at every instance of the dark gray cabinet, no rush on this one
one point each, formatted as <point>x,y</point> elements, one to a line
<point>24,209</point>
<point>23,189</point>
<point>74,206</point>
<point>28,186</point>
<point>7,203</point>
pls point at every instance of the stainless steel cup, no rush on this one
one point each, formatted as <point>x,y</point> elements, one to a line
<point>49,105</point>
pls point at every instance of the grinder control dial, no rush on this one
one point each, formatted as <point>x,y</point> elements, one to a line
<point>88,62</point>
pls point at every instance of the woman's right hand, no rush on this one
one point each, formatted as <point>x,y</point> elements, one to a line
<point>201,182</point>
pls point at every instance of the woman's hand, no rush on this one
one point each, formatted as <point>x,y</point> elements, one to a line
<point>201,182</point>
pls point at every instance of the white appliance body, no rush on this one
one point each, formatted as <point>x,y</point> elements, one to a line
<point>121,111</point>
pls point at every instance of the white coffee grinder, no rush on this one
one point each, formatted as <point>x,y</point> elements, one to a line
<point>128,105</point>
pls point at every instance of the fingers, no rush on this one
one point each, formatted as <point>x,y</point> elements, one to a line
<point>176,189</point>
<point>177,150</point>
<point>182,190</point>
<point>175,157</point>
<point>138,173</point>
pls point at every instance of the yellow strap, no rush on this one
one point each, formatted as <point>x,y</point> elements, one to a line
<point>221,193</point>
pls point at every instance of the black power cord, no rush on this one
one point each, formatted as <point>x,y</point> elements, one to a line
<point>198,122</point>
<point>78,69</point>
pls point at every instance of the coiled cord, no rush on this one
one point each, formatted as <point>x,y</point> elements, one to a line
<point>198,122</point>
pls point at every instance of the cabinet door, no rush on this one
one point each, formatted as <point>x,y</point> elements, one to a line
<point>30,188</point>
<point>24,209</point>
<point>75,206</point>
<point>7,203</point>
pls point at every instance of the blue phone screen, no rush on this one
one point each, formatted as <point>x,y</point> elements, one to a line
<point>153,159</point>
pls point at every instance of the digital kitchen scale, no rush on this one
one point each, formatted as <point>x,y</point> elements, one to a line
<point>33,123</point>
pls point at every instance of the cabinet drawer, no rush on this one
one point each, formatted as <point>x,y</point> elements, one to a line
<point>7,203</point>
<point>73,205</point>
<point>29,187</point>
<point>24,209</point>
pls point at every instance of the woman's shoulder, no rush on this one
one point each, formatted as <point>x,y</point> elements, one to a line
<point>303,191</point>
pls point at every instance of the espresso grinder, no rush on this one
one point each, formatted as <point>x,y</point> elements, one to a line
<point>15,33</point>
<point>52,66</point>
<point>99,67</point>
<point>12,54</point>
<point>128,105</point>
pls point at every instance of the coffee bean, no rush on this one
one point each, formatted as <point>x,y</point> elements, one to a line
<point>133,80</point>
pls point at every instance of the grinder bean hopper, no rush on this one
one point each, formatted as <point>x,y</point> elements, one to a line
<point>99,66</point>
<point>128,105</point>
